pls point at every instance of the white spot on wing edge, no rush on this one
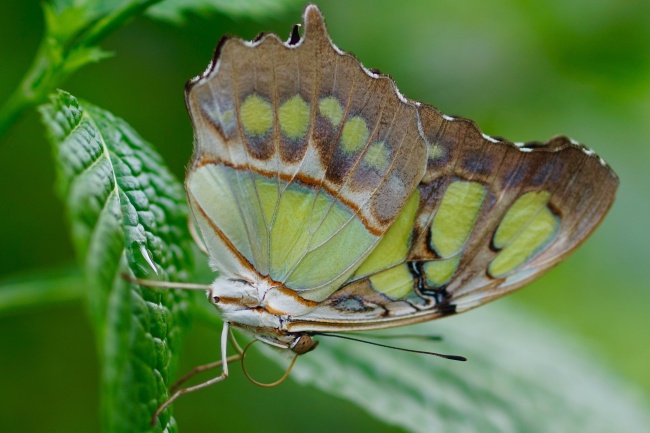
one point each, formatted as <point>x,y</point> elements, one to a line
<point>490,139</point>
<point>522,147</point>
<point>589,152</point>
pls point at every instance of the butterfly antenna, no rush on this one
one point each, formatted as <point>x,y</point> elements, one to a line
<point>400,336</point>
<point>265,385</point>
<point>440,355</point>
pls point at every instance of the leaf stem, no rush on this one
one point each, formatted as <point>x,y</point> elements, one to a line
<point>106,25</point>
<point>41,290</point>
<point>26,94</point>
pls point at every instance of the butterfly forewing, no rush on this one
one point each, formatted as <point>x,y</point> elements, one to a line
<point>312,157</point>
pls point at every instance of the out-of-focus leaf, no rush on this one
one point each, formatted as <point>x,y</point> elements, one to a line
<point>44,289</point>
<point>175,10</point>
<point>520,377</point>
<point>73,30</point>
<point>127,214</point>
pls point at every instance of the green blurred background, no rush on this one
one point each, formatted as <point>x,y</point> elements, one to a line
<point>521,69</point>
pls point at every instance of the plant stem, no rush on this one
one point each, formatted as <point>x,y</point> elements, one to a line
<point>40,290</point>
<point>25,95</point>
<point>106,25</point>
<point>44,75</point>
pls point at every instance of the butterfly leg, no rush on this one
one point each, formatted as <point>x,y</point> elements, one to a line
<point>201,368</point>
<point>166,284</point>
<point>224,374</point>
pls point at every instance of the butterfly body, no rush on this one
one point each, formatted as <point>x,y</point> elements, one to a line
<point>260,307</point>
<point>328,201</point>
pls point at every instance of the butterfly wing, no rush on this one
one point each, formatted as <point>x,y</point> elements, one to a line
<point>375,210</point>
<point>303,159</point>
<point>488,217</point>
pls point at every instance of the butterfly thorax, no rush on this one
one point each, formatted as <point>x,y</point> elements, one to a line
<point>260,306</point>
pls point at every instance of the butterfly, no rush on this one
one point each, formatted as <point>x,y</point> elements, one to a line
<point>328,202</point>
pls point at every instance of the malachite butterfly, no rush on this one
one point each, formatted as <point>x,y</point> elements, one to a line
<point>329,202</point>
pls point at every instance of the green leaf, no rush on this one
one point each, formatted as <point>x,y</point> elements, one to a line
<point>81,56</point>
<point>64,19</point>
<point>127,214</point>
<point>174,10</point>
<point>43,289</point>
<point>522,375</point>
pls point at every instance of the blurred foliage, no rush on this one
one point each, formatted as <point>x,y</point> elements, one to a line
<point>175,11</point>
<point>522,70</point>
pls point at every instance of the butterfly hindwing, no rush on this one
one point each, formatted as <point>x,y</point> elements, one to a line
<point>487,217</point>
<point>541,201</point>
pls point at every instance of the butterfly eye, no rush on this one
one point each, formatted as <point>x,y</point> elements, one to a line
<point>304,344</point>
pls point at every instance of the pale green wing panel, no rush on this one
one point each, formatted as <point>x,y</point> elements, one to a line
<point>395,246</point>
<point>446,226</point>
<point>282,226</point>
<point>226,200</point>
